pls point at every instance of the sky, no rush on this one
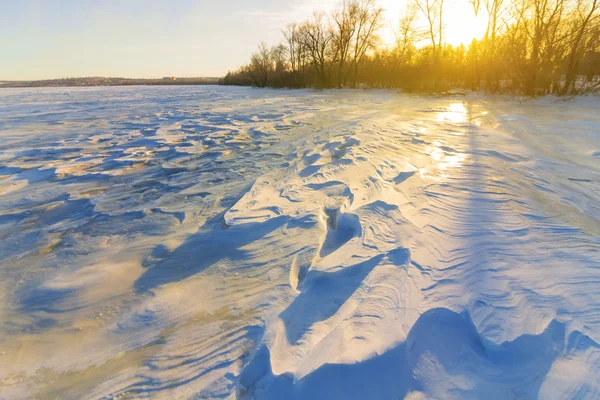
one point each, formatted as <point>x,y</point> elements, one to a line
<point>145,38</point>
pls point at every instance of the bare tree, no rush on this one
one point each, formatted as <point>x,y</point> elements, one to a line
<point>260,66</point>
<point>494,9</point>
<point>539,20</point>
<point>586,14</point>
<point>346,25</point>
<point>290,33</point>
<point>408,33</point>
<point>369,20</point>
<point>317,37</point>
<point>432,11</point>
<point>441,25</point>
<point>529,46</point>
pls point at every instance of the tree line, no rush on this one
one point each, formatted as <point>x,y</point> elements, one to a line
<point>530,47</point>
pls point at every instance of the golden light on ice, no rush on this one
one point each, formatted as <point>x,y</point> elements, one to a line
<point>456,112</point>
<point>452,161</point>
<point>437,154</point>
<point>441,161</point>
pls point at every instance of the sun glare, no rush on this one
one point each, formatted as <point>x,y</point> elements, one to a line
<point>456,112</point>
<point>461,25</point>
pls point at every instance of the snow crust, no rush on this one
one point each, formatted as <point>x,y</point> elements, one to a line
<point>216,242</point>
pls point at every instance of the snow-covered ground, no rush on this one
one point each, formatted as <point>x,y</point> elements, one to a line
<point>211,242</point>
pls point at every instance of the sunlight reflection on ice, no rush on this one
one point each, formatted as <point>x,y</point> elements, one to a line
<point>456,113</point>
<point>454,161</point>
<point>442,159</point>
<point>137,244</point>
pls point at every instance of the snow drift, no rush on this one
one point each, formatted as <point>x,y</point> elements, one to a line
<point>208,242</point>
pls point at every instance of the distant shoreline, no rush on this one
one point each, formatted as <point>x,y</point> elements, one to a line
<point>102,81</point>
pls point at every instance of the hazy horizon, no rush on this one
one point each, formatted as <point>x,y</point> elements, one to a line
<point>109,77</point>
<point>138,39</point>
<point>149,39</point>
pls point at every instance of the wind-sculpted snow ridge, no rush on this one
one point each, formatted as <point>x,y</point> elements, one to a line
<point>210,242</point>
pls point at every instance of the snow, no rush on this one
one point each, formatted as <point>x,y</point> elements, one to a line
<point>220,242</point>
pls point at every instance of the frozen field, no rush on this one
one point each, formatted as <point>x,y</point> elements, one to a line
<point>212,242</point>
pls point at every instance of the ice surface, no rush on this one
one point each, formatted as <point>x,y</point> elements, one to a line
<point>215,242</point>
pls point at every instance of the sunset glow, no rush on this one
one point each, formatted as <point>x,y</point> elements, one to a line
<point>461,25</point>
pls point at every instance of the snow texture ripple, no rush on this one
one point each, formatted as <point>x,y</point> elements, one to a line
<point>215,242</point>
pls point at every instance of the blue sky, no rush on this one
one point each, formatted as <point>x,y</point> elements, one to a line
<point>136,38</point>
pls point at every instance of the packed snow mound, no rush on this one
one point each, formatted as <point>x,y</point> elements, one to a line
<point>217,242</point>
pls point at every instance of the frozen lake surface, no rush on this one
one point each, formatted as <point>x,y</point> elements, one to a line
<point>216,242</point>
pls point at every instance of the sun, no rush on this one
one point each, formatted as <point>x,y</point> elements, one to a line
<point>461,25</point>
